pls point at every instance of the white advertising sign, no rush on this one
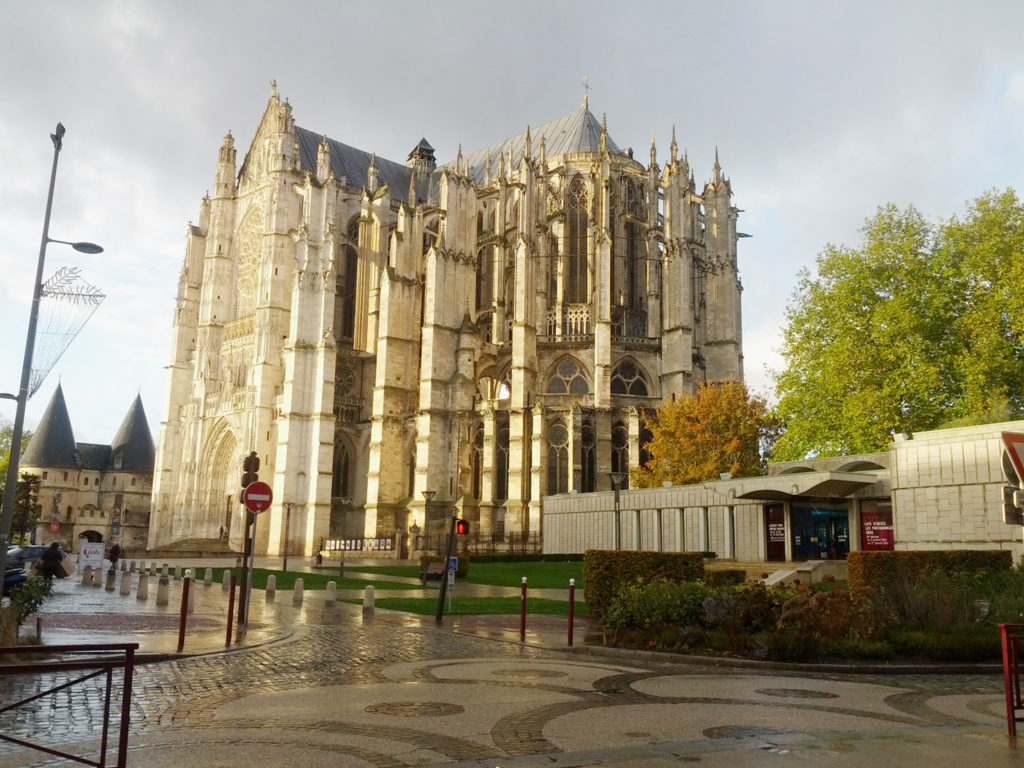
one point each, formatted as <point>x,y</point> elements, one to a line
<point>90,554</point>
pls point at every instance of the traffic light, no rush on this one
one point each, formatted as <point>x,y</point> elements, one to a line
<point>250,469</point>
<point>462,527</point>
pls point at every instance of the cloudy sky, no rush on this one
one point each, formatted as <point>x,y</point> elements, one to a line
<point>820,112</point>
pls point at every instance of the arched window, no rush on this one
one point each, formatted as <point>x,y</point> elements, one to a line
<point>568,378</point>
<point>635,204</point>
<point>636,276</point>
<point>646,436</point>
<point>588,455</point>
<point>620,450</point>
<point>576,284</point>
<point>341,482</point>
<point>627,380</point>
<point>485,277</point>
<point>552,269</point>
<point>558,458</point>
<point>477,462</point>
<point>345,285</point>
<point>501,456</point>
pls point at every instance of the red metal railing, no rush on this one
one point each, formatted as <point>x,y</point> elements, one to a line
<point>91,661</point>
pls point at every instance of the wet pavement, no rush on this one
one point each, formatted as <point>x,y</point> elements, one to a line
<point>330,685</point>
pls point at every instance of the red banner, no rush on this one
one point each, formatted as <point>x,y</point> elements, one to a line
<point>876,531</point>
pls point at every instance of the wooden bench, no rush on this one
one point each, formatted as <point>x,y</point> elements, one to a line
<point>433,571</point>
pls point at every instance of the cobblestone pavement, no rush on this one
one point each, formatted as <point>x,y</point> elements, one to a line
<point>382,691</point>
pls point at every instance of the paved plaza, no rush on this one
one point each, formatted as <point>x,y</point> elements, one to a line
<point>318,684</point>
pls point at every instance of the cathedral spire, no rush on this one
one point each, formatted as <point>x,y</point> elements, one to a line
<point>527,148</point>
<point>654,151</point>
<point>412,189</point>
<point>459,162</point>
<point>602,142</point>
<point>543,151</point>
<point>487,170</point>
<point>718,168</point>
<point>673,149</point>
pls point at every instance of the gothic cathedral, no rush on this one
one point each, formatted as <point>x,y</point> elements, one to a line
<point>404,342</point>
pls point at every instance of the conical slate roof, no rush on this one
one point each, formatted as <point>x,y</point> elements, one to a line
<point>53,442</point>
<point>133,443</point>
<point>578,131</point>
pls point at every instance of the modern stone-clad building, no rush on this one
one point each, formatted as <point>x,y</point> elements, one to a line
<point>941,489</point>
<point>403,341</point>
<point>88,490</point>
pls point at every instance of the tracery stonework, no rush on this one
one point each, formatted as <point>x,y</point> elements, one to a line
<point>483,332</point>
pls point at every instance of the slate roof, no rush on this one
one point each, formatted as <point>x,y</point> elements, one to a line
<point>53,442</point>
<point>578,131</point>
<point>94,455</point>
<point>133,442</point>
<point>354,165</point>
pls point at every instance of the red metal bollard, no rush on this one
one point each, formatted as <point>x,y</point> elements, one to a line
<point>522,614</point>
<point>572,606</point>
<point>231,609</point>
<point>1012,635</point>
<point>184,613</point>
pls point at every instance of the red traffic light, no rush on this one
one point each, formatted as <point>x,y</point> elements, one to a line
<point>462,527</point>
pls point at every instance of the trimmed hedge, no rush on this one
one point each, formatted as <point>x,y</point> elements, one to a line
<point>529,558</point>
<point>605,572</point>
<point>877,571</point>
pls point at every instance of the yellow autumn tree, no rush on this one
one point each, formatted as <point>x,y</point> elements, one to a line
<point>720,428</point>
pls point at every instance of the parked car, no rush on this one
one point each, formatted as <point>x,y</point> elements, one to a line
<point>14,578</point>
<point>23,557</point>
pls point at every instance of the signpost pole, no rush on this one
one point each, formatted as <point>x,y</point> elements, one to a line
<point>450,545</point>
<point>243,587</point>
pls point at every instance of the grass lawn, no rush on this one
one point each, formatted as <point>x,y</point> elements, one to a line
<point>479,606</point>
<point>539,575</point>
<point>286,580</point>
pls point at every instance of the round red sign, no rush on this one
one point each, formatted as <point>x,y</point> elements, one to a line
<point>257,496</point>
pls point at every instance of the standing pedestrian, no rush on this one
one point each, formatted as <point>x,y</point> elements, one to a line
<point>115,553</point>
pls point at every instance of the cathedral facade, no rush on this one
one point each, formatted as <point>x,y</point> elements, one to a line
<point>401,342</point>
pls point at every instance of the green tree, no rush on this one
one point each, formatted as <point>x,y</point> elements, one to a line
<point>26,505</point>
<point>6,434</point>
<point>720,428</point>
<point>915,328</point>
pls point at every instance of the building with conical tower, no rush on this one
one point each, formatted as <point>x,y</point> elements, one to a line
<point>87,490</point>
<point>401,342</point>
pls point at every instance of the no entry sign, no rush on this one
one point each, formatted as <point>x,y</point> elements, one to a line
<point>257,496</point>
<point>1014,444</point>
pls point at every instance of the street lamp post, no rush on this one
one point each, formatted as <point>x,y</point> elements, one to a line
<point>21,398</point>
<point>617,478</point>
<point>287,532</point>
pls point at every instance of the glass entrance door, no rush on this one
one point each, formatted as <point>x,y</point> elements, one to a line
<point>820,532</point>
